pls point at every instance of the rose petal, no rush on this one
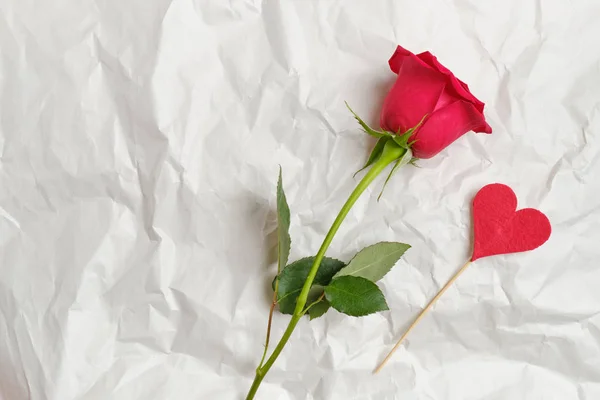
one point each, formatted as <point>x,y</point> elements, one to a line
<point>433,62</point>
<point>447,97</point>
<point>458,87</point>
<point>445,126</point>
<point>398,58</point>
<point>415,94</point>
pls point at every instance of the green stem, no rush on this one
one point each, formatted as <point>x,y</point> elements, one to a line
<point>262,371</point>
<point>321,297</point>
<point>391,152</point>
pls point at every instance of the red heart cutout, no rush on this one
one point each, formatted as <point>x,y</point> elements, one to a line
<point>500,228</point>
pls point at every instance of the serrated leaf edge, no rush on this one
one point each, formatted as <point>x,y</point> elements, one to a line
<point>282,200</point>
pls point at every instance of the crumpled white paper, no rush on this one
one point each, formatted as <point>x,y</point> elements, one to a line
<point>139,149</point>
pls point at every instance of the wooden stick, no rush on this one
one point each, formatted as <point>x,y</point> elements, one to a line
<point>416,321</point>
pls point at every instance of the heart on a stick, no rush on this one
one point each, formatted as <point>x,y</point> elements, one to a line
<point>500,229</point>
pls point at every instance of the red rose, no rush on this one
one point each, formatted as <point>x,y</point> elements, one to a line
<point>424,87</point>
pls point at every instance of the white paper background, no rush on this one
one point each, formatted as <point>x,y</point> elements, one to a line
<point>139,148</point>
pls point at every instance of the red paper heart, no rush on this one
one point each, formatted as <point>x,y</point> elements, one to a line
<point>500,228</point>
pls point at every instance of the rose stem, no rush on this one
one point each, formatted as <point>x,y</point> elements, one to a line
<point>391,152</point>
<point>321,297</point>
<point>416,321</point>
<point>273,303</point>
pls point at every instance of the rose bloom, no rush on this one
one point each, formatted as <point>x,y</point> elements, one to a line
<point>425,88</point>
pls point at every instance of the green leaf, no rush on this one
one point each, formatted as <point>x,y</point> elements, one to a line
<point>355,296</point>
<point>374,261</point>
<point>293,276</point>
<point>405,159</point>
<point>367,128</point>
<point>318,309</point>
<point>283,226</point>
<point>376,153</point>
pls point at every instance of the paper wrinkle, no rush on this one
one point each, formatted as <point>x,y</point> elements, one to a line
<point>139,150</point>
